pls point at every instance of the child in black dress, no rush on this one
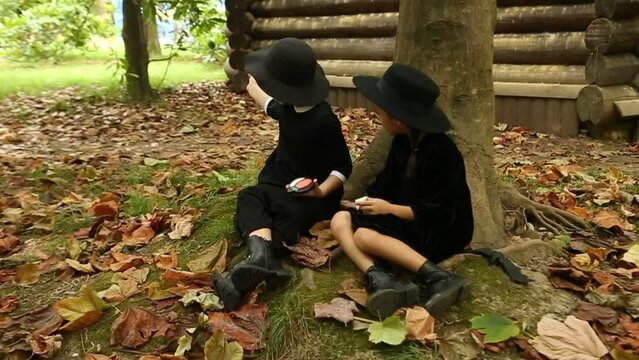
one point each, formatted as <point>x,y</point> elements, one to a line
<point>310,145</point>
<point>418,210</point>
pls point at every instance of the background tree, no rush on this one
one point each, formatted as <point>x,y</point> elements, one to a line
<point>151,30</point>
<point>135,50</point>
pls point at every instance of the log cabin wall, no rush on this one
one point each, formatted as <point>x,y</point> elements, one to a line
<point>547,53</point>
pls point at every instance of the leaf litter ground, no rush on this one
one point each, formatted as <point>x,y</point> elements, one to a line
<point>93,187</point>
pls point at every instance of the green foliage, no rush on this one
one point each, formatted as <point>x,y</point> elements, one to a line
<point>391,331</point>
<point>49,29</point>
<point>497,328</point>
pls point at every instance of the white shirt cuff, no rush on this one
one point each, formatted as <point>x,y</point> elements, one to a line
<point>268,101</point>
<point>338,175</point>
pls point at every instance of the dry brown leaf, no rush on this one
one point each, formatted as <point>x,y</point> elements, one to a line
<point>90,356</point>
<point>528,351</point>
<point>121,291</point>
<point>172,277</point>
<point>83,268</point>
<point>628,273</point>
<point>606,282</point>
<point>420,325</point>
<point>591,312</point>
<point>573,338</point>
<point>80,311</point>
<point>163,357</point>
<point>247,325</point>
<point>339,309</point>
<point>565,277</point>
<point>8,304</point>
<point>16,331</point>
<point>354,290</point>
<point>54,262</point>
<point>166,260</point>
<point>584,262</point>
<point>609,219</point>
<point>8,243</point>
<point>140,236</point>
<point>136,326</point>
<point>27,274</point>
<point>212,260</point>
<point>309,253</point>
<point>181,227</point>
<point>155,292</point>
<point>107,210</point>
<point>139,275</point>
<point>125,262</point>
<point>45,346</point>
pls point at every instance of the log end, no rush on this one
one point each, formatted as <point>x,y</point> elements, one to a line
<point>598,35</point>
<point>590,104</point>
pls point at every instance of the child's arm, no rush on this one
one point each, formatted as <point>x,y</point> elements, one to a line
<point>329,185</point>
<point>257,93</point>
<point>373,206</point>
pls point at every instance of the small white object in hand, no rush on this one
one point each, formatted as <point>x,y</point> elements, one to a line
<point>359,201</point>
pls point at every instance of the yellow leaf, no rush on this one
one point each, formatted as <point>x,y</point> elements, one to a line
<point>154,292</point>
<point>211,260</point>
<point>632,256</point>
<point>83,268</point>
<point>80,311</point>
<point>216,348</point>
<point>27,274</point>
<point>74,248</point>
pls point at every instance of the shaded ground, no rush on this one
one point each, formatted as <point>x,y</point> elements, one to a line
<point>193,150</point>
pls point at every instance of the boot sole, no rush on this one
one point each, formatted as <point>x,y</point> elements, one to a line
<point>384,303</point>
<point>445,300</point>
<point>231,298</point>
<point>246,278</point>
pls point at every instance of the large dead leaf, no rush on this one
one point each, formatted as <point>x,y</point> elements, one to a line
<point>212,260</point>
<point>181,227</point>
<point>606,282</point>
<point>172,277</point>
<point>15,333</point>
<point>591,312</point>
<point>354,290</point>
<point>136,326</point>
<point>584,262</point>
<point>8,243</point>
<point>140,236</point>
<point>80,311</point>
<point>339,309</point>
<point>565,277</point>
<point>166,259</point>
<point>322,231</point>
<point>247,325</point>
<point>155,292</point>
<point>309,253</point>
<point>120,291</point>
<point>138,275</point>
<point>163,357</point>
<point>420,325</point>
<point>83,268</point>
<point>125,262</point>
<point>27,274</point>
<point>107,210</point>
<point>632,256</point>
<point>573,339</point>
<point>90,356</point>
<point>609,219</point>
<point>528,352</point>
<point>217,348</point>
<point>45,346</point>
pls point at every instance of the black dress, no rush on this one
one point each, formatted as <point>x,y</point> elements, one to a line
<point>437,193</point>
<point>311,145</point>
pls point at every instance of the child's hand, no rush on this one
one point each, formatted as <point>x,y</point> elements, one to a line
<point>345,204</point>
<point>372,206</point>
<point>316,192</point>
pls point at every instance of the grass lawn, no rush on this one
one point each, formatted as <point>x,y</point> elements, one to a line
<point>34,78</point>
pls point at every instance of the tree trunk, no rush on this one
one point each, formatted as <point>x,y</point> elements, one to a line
<point>151,31</point>
<point>137,57</point>
<point>450,41</point>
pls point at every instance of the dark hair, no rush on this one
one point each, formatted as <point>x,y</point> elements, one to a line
<point>415,136</point>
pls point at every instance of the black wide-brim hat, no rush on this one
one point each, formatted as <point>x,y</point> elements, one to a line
<point>408,95</point>
<point>288,71</point>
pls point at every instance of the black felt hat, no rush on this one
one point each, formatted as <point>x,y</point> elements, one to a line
<point>288,71</point>
<point>406,94</point>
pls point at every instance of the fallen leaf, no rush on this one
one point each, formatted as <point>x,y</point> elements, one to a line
<point>592,312</point>
<point>120,291</point>
<point>216,348</point>
<point>584,262</point>
<point>163,357</point>
<point>8,244</point>
<point>166,261</point>
<point>391,331</point>
<point>207,300</point>
<point>27,274</point>
<point>359,325</point>
<point>6,275</point>
<point>125,262</point>
<point>309,253</point>
<point>74,248</point>
<point>8,304</point>
<point>632,256</point>
<point>352,289</point>
<point>184,344</point>
<point>17,331</point>
<point>606,282</point>
<point>247,325</point>
<point>140,236</point>
<point>138,275</point>
<point>90,356</point>
<point>628,273</point>
<point>497,328</point>
<point>455,344</point>
<point>172,277</point>
<point>187,129</point>
<point>619,353</point>
<point>623,301</point>
<point>339,309</point>
<point>149,161</point>
<point>155,292</point>
<point>45,346</point>
<point>80,311</point>
<point>136,326</point>
<point>83,268</point>
<point>573,338</point>
<point>609,219</point>
<point>480,339</point>
<point>565,277</point>
<point>107,210</point>
<point>528,351</point>
<point>420,325</point>
<point>212,260</point>
<point>181,228</point>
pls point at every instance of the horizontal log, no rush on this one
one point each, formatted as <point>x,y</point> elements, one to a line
<point>501,3</point>
<point>550,18</point>
<point>237,79</point>
<point>616,9</point>
<point>343,48</point>
<point>596,104</point>
<point>610,37</point>
<point>354,67</point>
<point>635,81</point>
<point>627,108</point>
<point>239,40</point>
<point>606,70</point>
<point>240,5</point>
<point>237,57</point>
<point>548,74</point>
<point>552,91</point>
<point>276,8</point>
<point>565,48</point>
<point>238,21</point>
<point>376,24</point>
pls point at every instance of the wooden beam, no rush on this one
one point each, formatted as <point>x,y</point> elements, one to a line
<point>275,8</point>
<point>616,9</point>
<point>548,18</point>
<point>553,91</point>
<point>504,3</point>
<point>596,104</point>
<point>610,37</point>
<point>341,81</point>
<point>346,48</point>
<point>565,48</point>
<point>238,21</point>
<point>354,67</point>
<point>627,108</point>
<point>549,74</point>
<point>605,70</point>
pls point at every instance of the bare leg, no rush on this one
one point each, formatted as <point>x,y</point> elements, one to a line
<point>342,229</point>
<point>264,233</point>
<point>375,244</point>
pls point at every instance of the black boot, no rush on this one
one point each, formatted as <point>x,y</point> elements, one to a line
<point>231,297</point>
<point>262,264</point>
<point>440,288</point>
<point>387,294</point>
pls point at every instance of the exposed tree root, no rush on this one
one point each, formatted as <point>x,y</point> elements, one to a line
<point>556,220</point>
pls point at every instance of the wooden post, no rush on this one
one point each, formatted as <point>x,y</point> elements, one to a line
<point>596,104</point>
<point>610,37</point>
<point>606,70</point>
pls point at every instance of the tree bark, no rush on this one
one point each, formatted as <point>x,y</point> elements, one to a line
<point>450,41</point>
<point>543,48</point>
<point>271,8</point>
<point>596,104</point>
<point>610,37</point>
<point>361,25</point>
<point>550,18</point>
<point>616,9</point>
<point>137,57</point>
<point>605,70</point>
<point>151,31</point>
